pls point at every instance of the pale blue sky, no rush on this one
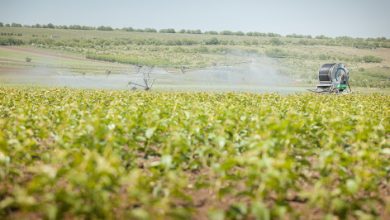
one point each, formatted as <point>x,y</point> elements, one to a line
<point>358,18</point>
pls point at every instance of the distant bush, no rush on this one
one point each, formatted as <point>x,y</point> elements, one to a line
<point>298,36</point>
<point>129,29</point>
<point>211,32</point>
<point>273,35</point>
<point>322,37</point>
<point>78,27</point>
<point>239,33</point>
<point>10,34</point>
<point>104,28</point>
<point>193,31</point>
<point>276,41</point>
<point>11,41</point>
<point>16,25</point>
<point>28,59</point>
<point>256,34</point>
<point>174,42</point>
<point>226,33</point>
<point>168,30</point>
<point>150,30</point>
<point>1,24</point>
<point>371,59</point>
<point>50,25</point>
<point>212,41</point>
<point>189,42</point>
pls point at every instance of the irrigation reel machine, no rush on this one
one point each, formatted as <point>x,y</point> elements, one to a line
<point>333,78</point>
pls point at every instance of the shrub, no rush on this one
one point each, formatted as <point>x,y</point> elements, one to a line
<point>226,33</point>
<point>256,34</point>
<point>168,30</point>
<point>105,28</point>
<point>16,25</point>
<point>150,30</point>
<point>239,33</point>
<point>11,41</point>
<point>211,32</point>
<point>194,32</point>
<point>276,41</point>
<point>273,35</point>
<point>212,41</point>
<point>129,29</point>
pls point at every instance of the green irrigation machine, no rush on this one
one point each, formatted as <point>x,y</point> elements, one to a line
<point>333,78</point>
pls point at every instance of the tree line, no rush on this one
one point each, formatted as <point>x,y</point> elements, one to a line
<point>183,31</point>
<point>131,29</point>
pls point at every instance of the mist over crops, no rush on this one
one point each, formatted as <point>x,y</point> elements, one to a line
<point>256,72</point>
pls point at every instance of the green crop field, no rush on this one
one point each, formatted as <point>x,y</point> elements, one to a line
<point>101,154</point>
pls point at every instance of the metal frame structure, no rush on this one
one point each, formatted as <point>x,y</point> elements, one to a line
<point>147,80</point>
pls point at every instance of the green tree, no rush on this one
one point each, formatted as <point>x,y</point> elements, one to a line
<point>197,32</point>
<point>129,29</point>
<point>16,25</point>
<point>150,30</point>
<point>105,28</point>
<point>273,35</point>
<point>239,33</point>
<point>226,32</point>
<point>211,32</point>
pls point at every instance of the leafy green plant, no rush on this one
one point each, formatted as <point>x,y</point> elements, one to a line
<point>132,155</point>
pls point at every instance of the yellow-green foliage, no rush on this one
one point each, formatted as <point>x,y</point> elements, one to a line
<point>117,154</point>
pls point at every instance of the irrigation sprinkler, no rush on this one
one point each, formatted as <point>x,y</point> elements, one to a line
<point>333,78</point>
<point>148,82</point>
